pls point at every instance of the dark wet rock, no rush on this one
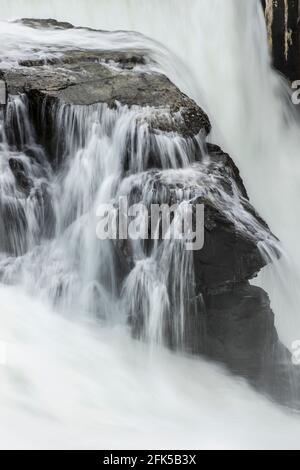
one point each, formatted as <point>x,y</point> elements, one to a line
<point>226,319</point>
<point>228,256</point>
<point>24,183</point>
<point>240,333</point>
<point>240,328</point>
<point>40,195</point>
<point>84,77</point>
<point>284,35</point>
<point>230,253</point>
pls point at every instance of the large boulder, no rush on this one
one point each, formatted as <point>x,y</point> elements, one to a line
<point>282,18</point>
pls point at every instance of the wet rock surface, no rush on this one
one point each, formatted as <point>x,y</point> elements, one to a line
<point>85,77</point>
<point>230,253</point>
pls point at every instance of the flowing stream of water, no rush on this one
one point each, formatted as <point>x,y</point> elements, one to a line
<point>74,377</point>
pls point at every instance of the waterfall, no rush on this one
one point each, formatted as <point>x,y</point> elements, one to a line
<point>100,154</point>
<point>93,147</point>
<point>244,91</point>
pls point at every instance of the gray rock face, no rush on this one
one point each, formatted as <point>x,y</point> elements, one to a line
<point>282,19</point>
<point>84,77</point>
<point>230,253</point>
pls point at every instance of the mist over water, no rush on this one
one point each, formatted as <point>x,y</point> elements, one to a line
<point>74,382</point>
<point>81,386</point>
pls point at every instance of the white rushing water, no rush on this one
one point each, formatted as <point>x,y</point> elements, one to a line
<point>72,382</point>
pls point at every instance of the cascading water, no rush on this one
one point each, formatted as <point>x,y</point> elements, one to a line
<point>109,381</point>
<point>92,145</point>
